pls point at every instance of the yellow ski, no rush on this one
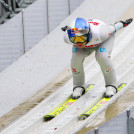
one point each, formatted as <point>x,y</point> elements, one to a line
<point>102,102</point>
<point>61,107</point>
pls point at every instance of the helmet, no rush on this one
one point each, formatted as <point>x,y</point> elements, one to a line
<point>79,31</point>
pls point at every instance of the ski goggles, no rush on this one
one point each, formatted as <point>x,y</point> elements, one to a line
<point>79,39</point>
<point>76,35</point>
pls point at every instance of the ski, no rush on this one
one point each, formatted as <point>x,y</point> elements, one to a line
<point>89,111</point>
<point>64,105</point>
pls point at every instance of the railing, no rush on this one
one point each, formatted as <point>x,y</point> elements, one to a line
<point>12,7</point>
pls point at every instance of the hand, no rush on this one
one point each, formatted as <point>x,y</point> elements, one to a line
<point>127,22</point>
<point>64,28</point>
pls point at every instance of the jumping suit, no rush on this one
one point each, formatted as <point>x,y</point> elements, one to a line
<point>102,40</point>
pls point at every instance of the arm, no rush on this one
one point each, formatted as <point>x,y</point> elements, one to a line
<point>66,39</point>
<point>122,24</point>
<point>107,30</point>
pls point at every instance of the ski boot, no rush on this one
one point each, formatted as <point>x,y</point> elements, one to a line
<point>110,91</point>
<point>78,92</point>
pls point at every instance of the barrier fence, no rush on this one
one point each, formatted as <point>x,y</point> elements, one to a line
<point>28,27</point>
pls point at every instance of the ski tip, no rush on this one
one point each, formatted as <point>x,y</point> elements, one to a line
<point>48,117</point>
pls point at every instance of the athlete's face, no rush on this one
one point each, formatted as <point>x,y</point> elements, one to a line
<point>81,45</point>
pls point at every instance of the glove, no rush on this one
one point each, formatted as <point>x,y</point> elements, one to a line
<point>127,22</point>
<point>64,28</point>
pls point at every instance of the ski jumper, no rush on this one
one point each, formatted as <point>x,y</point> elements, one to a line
<point>101,42</point>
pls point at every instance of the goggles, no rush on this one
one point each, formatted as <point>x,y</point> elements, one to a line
<point>75,35</point>
<point>79,39</point>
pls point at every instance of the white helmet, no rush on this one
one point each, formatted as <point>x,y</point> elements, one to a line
<point>79,31</point>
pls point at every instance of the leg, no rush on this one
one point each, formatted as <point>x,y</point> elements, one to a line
<point>103,53</point>
<point>78,74</point>
<point>78,56</point>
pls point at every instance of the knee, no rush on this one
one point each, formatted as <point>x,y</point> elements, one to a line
<point>101,57</point>
<point>77,61</point>
<point>76,65</point>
